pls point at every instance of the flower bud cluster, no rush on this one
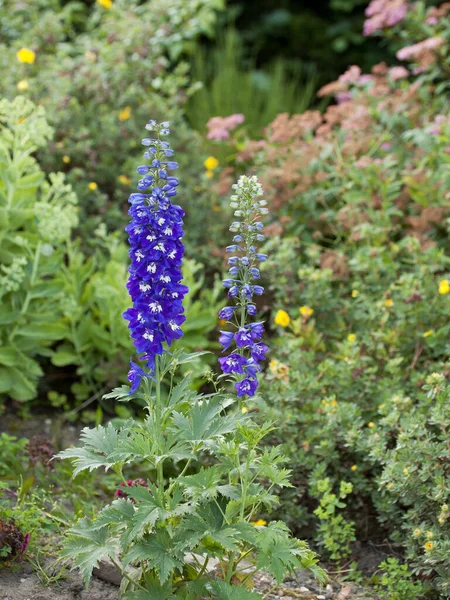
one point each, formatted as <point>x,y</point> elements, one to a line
<point>245,341</point>
<point>156,252</point>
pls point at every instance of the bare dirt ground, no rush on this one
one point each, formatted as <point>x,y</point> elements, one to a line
<point>23,584</point>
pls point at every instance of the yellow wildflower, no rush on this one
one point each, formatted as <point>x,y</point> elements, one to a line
<point>306,311</point>
<point>25,55</point>
<point>259,523</point>
<point>429,546</point>
<point>211,163</point>
<point>429,535</point>
<point>388,303</point>
<point>66,159</point>
<point>354,468</point>
<point>124,179</point>
<point>428,333</point>
<point>390,486</point>
<point>351,337</point>
<point>282,318</point>
<point>244,410</point>
<point>209,173</point>
<point>125,113</point>
<point>92,186</point>
<point>355,293</point>
<point>417,532</point>
<point>105,3</point>
<point>371,425</point>
<point>441,520</point>
<point>23,85</point>
<point>406,471</point>
<point>444,286</point>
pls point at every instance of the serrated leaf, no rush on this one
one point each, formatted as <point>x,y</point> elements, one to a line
<point>224,591</point>
<point>87,546</point>
<point>99,445</point>
<point>203,485</point>
<point>159,553</point>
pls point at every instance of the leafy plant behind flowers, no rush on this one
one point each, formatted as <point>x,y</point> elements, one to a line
<point>163,532</point>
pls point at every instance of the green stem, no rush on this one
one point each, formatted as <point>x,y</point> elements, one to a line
<point>159,433</point>
<point>127,577</point>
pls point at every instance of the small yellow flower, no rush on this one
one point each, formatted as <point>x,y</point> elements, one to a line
<point>66,159</point>
<point>429,535</point>
<point>428,333</point>
<point>222,322</point>
<point>390,486</point>
<point>259,523</point>
<point>105,3</point>
<point>406,471</point>
<point>354,468</point>
<point>351,337</point>
<point>306,311</point>
<point>388,303</point>
<point>441,520</point>
<point>444,507</point>
<point>124,179</point>
<point>25,55</point>
<point>371,425</point>
<point>211,163</point>
<point>23,85</point>
<point>429,546</point>
<point>282,318</point>
<point>92,186</point>
<point>444,286</point>
<point>417,532</point>
<point>125,113</point>
<point>355,293</point>
<point>244,410</point>
<point>209,173</point>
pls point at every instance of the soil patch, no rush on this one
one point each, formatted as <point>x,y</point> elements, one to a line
<point>23,584</point>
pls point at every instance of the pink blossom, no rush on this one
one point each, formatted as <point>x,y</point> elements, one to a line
<point>396,73</point>
<point>351,75</point>
<point>384,13</point>
<point>386,146</point>
<point>219,127</point>
<point>414,51</point>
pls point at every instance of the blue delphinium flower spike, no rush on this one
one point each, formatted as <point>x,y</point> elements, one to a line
<point>156,252</point>
<point>247,350</point>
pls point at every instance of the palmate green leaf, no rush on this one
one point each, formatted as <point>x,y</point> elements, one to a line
<point>224,591</point>
<point>276,550</point>
<point>203,485</point>
<point>182,393</point>
<point>204,421</point>
<point>87,546</point>
<point>99,445</point>
<point>159,553</point>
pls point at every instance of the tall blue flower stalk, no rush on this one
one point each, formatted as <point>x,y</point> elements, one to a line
<point>156,252</point>
<point>244,342</point>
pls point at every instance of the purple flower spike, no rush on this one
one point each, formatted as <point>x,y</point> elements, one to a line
<point>244,360</point>
<point>156,250</point>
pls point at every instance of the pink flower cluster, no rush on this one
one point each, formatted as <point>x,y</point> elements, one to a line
<point>384,13</point>
<point>417,51</point>
<point>219,127</point>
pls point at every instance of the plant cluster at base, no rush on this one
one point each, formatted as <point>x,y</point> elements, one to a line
<point>156,253</point>
<point>196,482</point>
<point>243,362</point>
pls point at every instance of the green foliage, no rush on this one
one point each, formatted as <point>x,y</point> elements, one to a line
<point>359,262</point>
<point>334,532</point>
<point>396,581</point>
<point>227,87</point>
<point>100,103</point>
<point>37,217</point>
<point>164,530</point>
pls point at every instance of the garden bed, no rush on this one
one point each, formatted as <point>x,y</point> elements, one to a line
<point>23,584</point>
